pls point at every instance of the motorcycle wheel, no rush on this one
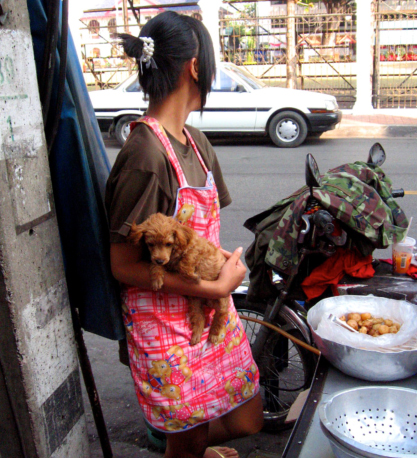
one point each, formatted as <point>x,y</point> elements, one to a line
<point>286,369</point>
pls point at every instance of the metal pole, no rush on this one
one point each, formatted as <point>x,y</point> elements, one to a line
<point>125,17</point>
<point>291,51</point>
<point>90,386</point>
<point>376,87</point>
<point>126,30</point>
<point>364,48</point>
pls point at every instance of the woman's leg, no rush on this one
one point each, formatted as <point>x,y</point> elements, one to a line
<point>243,421</point>
<point>194,444</point>
<point>188,444</point>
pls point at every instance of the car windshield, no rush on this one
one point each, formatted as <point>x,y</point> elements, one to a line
<point>248,78</point>
<point>133,84</point>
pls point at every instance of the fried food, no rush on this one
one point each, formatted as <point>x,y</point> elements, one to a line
<point>372,326</point>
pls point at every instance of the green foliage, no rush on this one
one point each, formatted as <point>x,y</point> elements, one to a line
<point>249,10</point>
<point>329,4</point>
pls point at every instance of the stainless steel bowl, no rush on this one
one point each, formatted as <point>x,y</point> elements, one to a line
<point>374,421</point>
<point>339,450</point>
<point>368,365</point>
<point>371,365</point>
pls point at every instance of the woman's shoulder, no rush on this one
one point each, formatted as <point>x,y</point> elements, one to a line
<point>142,151</point>
<point>196,133</point>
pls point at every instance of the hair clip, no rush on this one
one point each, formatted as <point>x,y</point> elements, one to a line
<point>147,53</point>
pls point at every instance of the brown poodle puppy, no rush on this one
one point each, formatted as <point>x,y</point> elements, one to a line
<point>177,248</point>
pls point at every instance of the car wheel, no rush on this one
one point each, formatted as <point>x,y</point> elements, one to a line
<point>288,129</point>
<point>122,129</point>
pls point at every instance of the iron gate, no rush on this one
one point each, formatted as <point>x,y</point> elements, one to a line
<point>395,55</point>
<point>326,48</point>
<point>253,34</point>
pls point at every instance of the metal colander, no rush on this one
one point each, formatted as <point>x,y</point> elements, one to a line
<point>374,421</point>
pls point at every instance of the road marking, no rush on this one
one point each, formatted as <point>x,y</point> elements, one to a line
<point>410,192</point>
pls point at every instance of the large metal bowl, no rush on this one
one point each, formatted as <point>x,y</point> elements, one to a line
<point>371,365</point>
<point>339,450</point>
<point>373,422</point>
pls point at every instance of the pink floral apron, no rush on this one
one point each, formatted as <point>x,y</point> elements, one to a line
<point>181,386</point>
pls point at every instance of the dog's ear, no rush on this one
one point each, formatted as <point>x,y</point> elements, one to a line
<point>136,233</point>
<point>183,235</point>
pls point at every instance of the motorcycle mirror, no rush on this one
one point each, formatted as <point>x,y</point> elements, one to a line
<point>377,155</point>
<point>313,179</point>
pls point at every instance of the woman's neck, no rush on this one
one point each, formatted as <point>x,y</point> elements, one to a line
<point>173,111</point>
<point>172,117</point>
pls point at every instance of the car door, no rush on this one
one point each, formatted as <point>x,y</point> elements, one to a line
<point>229,108</point>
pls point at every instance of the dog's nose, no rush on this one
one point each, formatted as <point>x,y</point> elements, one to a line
<point>159,261</point>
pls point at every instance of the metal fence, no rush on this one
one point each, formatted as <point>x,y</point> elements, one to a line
<point>104,62</point>
<point>395,56</point>
<point>325,43</point>
<point>326,50</point>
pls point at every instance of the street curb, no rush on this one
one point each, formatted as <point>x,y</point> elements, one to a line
<point>372,131</point>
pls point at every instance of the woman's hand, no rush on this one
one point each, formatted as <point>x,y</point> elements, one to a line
<point>232,273</point>
<point>128,268</point>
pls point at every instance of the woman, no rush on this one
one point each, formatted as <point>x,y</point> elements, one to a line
<point>204,394</point>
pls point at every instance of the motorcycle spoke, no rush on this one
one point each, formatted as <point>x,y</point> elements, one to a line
<point>282,369</point>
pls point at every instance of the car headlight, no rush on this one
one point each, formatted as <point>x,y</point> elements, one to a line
<point>331,105</point>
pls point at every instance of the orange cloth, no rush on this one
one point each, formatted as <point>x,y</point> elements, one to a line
<point>344,261</point>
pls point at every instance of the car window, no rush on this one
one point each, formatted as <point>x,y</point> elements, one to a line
<point>134,87</point>
<point>223,82</point>
<point>247,77</point>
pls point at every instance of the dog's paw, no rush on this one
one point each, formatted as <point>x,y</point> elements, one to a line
<point>157,284</point>
<point>195,339</point>
<point>214,338</point>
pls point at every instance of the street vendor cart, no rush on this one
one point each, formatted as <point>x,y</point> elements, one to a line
<point>308,440</point>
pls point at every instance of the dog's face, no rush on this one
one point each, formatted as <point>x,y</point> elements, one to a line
<point>160,246</point>
<point>163,237</point>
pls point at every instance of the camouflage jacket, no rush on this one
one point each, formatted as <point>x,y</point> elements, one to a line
<point>358,195</point>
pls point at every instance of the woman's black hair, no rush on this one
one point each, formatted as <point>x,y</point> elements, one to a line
<point>177,39</point>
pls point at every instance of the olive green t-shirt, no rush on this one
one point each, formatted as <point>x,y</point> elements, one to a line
<point>143,181</point>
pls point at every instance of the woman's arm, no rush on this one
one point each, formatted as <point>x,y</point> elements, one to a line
<point>128,268</point>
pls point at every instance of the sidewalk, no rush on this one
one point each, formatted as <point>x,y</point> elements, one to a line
<point>381,123</point>
<point>125,425</point>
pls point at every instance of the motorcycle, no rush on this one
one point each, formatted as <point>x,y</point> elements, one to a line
<point>285,361</point>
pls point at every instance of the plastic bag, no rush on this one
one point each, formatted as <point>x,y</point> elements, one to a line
<point>401,312</point>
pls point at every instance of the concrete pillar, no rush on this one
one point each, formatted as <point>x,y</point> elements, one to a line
<point>364,34</point>
<point>210,11</point>
<point>41,411</point>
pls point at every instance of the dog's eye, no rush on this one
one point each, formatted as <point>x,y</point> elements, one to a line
<point>168,244</point>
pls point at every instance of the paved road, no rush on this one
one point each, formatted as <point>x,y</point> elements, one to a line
<point>258,174</point>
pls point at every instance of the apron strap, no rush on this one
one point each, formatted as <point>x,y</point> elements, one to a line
<point>192,143</point>
<point>159,131</point>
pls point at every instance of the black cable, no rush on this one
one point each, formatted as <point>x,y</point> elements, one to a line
<point>49,57</point>
<point>53,121</point>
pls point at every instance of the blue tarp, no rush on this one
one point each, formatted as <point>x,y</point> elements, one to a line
<point>79,170</point>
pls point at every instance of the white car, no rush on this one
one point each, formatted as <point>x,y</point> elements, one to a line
<point>238,102</point>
